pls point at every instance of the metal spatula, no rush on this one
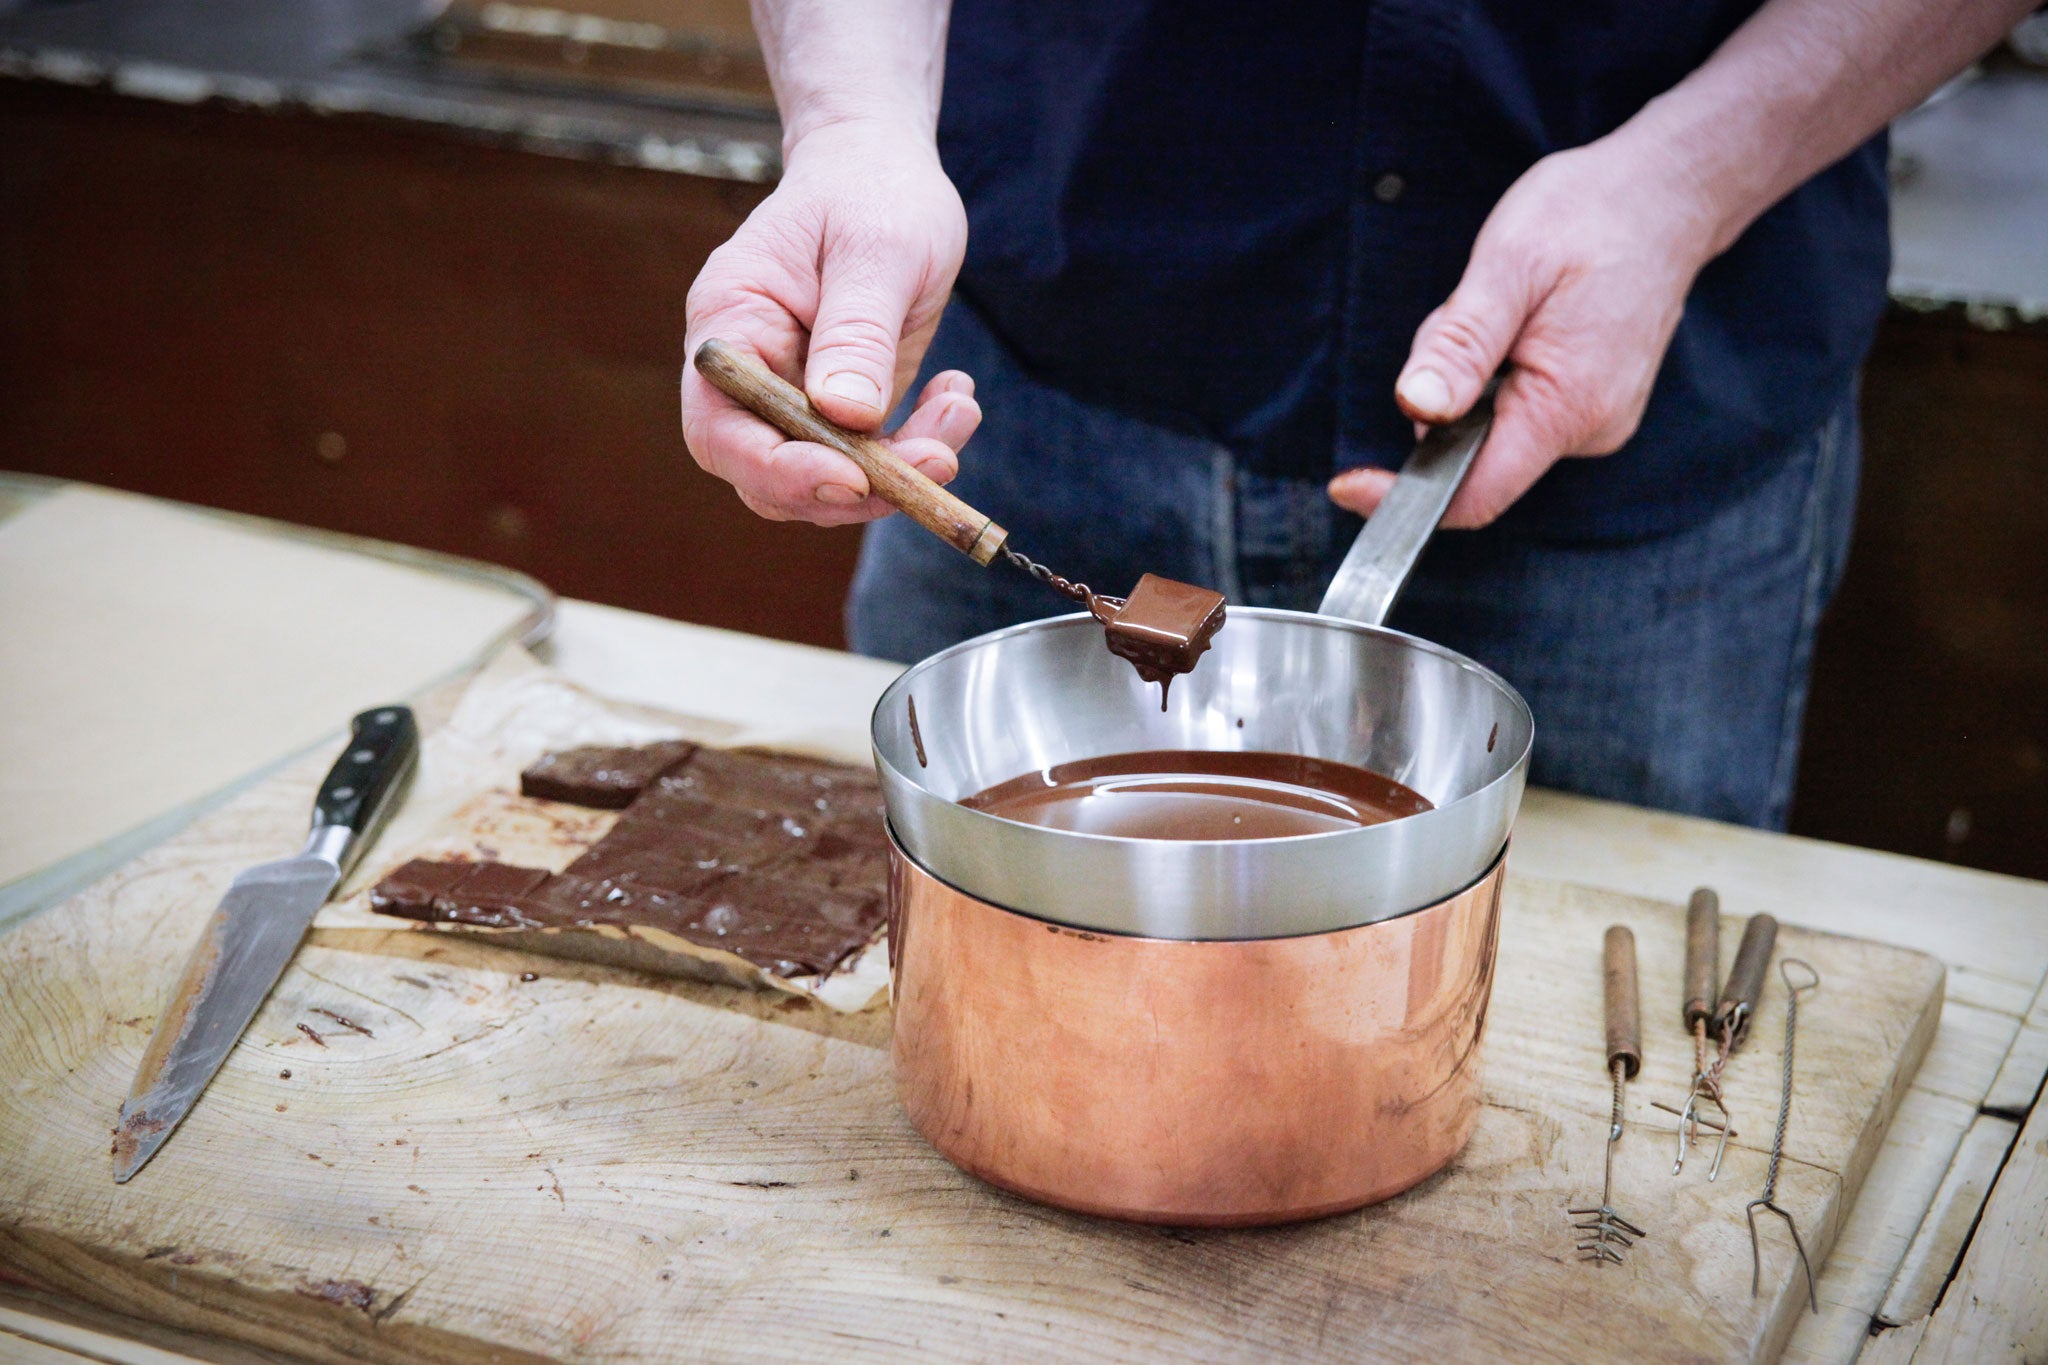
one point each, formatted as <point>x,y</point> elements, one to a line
<point>1383,556</point>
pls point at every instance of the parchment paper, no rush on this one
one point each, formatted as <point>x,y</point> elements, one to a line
<point>151,654</point>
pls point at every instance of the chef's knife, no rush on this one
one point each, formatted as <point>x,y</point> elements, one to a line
<point>255,932</point>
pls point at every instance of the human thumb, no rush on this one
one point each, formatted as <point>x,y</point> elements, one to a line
<point>863,298</point>
<point>1460,346</point>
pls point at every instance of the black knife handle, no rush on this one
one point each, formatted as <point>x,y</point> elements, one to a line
<point>384,743</point>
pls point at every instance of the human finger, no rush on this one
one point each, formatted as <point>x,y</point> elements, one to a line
<point>947,416</point>
<point>1460,345</point>
<point>1533,427</point>
<point>866,285</point>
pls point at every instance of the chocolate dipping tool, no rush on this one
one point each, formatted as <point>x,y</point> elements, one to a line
<point>1608,1234</point>
<point>255,932</point>
<point>1702,988</point>
<point>1768,1200</point>
<point>1162,628</point>
<point>1729,1025</point>
<point>782,405</point>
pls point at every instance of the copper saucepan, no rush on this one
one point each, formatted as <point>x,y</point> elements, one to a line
<point>1227,1032</point>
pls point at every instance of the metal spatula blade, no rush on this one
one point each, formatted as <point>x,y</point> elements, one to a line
<point>1380,560</point>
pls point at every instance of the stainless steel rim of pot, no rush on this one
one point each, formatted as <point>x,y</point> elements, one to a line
<point>1031,696</point>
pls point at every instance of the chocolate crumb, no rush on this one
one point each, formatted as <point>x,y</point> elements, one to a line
<point>346,1293</point>
<point>351,1025</point>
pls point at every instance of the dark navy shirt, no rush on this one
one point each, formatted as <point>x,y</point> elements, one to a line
<point>1231,218</point>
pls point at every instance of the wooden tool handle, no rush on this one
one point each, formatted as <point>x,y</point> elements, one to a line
<point>1746,978</point>
<point>783,406</point>
<point>1702,957</point>
<point>1624,1003</point>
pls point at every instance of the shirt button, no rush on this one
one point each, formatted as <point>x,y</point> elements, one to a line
<point>1388,188</point>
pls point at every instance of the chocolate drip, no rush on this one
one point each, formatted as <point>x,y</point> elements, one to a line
<point>916,735</point>
<point>1163,627</point>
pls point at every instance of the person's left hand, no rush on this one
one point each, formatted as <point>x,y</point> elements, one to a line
<point>1577,280</point>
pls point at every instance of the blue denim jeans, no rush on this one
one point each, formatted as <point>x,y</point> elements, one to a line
<point>1668,672</point>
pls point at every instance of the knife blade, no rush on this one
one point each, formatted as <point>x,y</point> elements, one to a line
<point>253,934</point>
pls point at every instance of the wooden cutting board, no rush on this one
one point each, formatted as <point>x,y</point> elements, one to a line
<point>595,1165</point>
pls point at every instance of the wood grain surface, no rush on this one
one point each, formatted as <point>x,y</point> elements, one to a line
<point>597,1165</point>
<point>1996,1307</point>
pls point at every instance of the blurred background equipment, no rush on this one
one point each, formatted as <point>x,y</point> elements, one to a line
<point>696,51</point>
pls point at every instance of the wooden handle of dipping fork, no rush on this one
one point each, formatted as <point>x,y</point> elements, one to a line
<point>782,405</point>
<point>1746,979</point>
<point>1702,957</point>
<point>1624,1002</point>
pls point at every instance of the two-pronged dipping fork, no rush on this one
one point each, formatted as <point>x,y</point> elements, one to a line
<point>1726,1023</point>
<point>1768,1200</point>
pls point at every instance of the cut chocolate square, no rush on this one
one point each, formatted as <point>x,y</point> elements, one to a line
<point>805,789</point>
<point>410,889</point>
<point>792,929</point>
<point>493,894</point>
<point>605,777</point>
<point>1165,626</point>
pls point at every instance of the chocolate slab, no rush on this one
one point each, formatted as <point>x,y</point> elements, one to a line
<point>781,861</point>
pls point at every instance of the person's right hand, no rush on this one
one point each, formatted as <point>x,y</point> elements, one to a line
<point>837,279</point>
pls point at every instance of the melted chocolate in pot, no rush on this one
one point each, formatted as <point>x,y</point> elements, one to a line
<point>1189,794</point>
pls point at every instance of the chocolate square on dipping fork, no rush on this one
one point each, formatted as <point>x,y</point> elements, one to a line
<point>1163,627</point>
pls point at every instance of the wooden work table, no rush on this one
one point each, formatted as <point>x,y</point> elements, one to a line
<point>1939,1259</point>
<point>1961,1184</point>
